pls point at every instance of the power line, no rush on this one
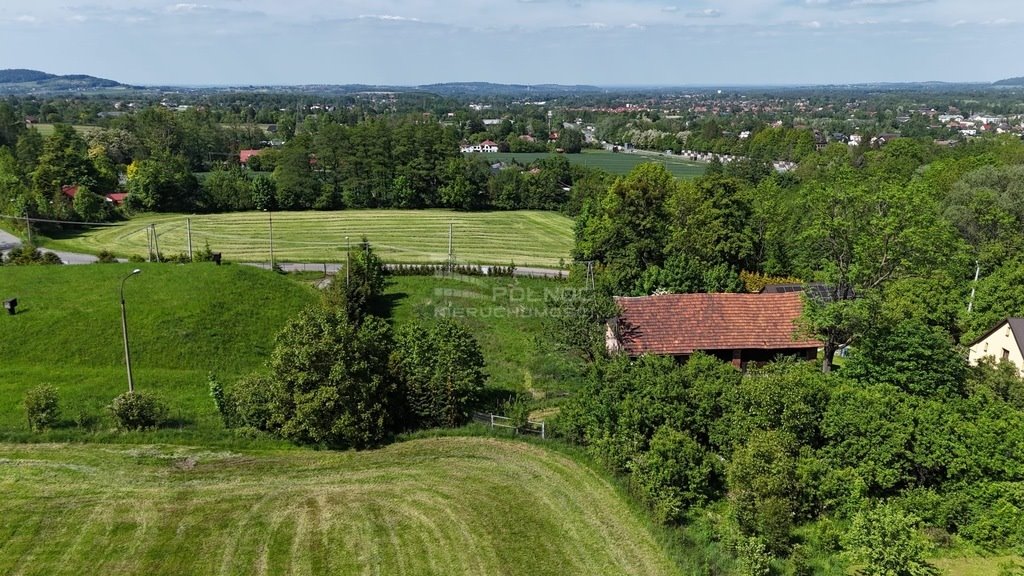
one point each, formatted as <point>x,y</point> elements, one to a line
<point>8,216</point>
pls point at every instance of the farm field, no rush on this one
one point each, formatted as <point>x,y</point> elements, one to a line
<point>429,506</point>
<point>409,236</point>
<point>184,322</point>
<point>618,163</point>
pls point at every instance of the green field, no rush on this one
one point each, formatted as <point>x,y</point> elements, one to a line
<point>505,315</point>
<point>47,129</point>
<point>614,162</point>
<point>412,236</point>
<point>433,506</point>
<point>184,321</point>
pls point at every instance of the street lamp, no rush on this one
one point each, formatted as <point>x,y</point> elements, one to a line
<point>124,330</point>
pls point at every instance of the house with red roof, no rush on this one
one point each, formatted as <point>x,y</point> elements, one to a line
<point>115,198</point>
<point>739,328</point>
<point>245,155</point>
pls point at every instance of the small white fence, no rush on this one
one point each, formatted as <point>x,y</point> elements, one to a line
<point>496,421</point>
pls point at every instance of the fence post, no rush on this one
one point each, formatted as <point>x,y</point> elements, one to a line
<point>492,421</point>
<point>542,434</point>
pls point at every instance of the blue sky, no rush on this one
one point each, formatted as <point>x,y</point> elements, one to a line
<point>603,42</point>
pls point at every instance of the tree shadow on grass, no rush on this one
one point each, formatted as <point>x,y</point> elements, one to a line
<point>385,305</point>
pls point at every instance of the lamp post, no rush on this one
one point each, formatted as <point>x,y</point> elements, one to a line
<point>124,331</point>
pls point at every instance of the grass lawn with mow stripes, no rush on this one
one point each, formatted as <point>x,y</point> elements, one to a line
<point>408,236</point>
<point>429,506</point>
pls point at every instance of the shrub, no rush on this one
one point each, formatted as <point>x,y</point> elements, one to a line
<point>441,368</point>
<point>138,411</point>
<point>248,403</point>
<point>106,257</point>
<point>42,406</point>
<point>886,542</point>
<point>29,255</point>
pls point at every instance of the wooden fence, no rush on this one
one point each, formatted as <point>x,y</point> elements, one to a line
<point>496,421</point>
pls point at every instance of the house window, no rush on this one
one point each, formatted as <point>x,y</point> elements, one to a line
<point>1006,355</point>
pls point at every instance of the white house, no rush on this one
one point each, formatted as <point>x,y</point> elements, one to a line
<point>486,146</point>
<point>1005,342</point>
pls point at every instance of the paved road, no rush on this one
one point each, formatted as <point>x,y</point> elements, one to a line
<point>520,271</point>
<point>9,241</point>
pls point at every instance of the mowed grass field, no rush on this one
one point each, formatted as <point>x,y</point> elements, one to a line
<point>618,163</point>
<point>48,129</point>
<point>184,322</point>
<point>408,236</point>
<point>461,506</point>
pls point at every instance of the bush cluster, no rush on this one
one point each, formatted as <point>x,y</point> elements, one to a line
<point>42,406</point>
<point>138,411</point>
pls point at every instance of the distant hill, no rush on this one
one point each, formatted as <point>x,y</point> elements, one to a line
<point>491,89</point>
<point>1018,81</point>
<point>21,80</point>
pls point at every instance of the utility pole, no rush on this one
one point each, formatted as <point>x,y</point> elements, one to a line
<point>149,244</point>
<point>28,227</point>
<point>977,271</point>
<point>451,255</point>
<point>348,260</point>
<point>188,228</point>
<point>124,331</point>
<point>156,241</point>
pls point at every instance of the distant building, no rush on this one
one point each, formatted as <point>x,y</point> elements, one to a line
<point>1004,343</point>
<point>739,328</point>
<point>245,155</point>
<point>486,146</point>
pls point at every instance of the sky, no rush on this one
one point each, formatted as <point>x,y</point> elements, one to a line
<point>599,42</point>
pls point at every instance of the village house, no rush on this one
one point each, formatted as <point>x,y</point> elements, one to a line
<point>487,146</point>
<point>245,155</point>
<point>739,328</point>
<point>1004,342</point>
<point>115,198</point>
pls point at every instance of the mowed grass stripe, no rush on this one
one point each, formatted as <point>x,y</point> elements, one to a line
<point>408,236</point>
<point>437,506</point>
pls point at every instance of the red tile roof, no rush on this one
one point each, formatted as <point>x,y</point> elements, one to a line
<point>69,191</point>
<point>117,197</point>
<point>679,324</point>
<point>244,155</point>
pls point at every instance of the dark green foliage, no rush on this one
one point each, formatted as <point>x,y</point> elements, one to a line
<point>106,257</point>
<point>674,474</point>
<point>162,183</point>
<point>248,403</point>
<point>441,369</point>
<point>763,487</point>
<point>29,256</point>
<point>42,407</point>
<point>330,382</point>
<point>916,358</point>
<point>361,285</point>
<point>138,411</point>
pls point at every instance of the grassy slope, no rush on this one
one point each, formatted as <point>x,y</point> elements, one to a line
<point>184,321</point>
<point>615,163</point>
<point>506,317</point>
<point>528,238</point>
<point>435,506</point>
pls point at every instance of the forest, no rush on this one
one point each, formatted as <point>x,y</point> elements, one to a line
<point>899,445</point>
